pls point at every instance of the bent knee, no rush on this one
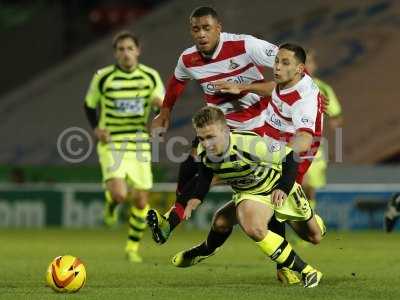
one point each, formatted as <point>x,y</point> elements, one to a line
<point>221,224</point>
<point>141,204</point>
<point>118,196</point>
<point>257,233</point>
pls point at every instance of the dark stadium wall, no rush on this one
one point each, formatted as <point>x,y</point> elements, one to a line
<point>32,40</point>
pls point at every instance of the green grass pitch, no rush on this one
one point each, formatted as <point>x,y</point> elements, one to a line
<point>356,265</point>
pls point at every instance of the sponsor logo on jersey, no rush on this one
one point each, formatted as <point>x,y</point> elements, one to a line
<point>133,106</point>
<point>275,120</point>
<point>238,79</point>
<point>210,87</point>
<point>244,181</point>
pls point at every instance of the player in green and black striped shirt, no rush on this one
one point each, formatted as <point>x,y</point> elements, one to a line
<point>262,173</point>
<point>124,95</point>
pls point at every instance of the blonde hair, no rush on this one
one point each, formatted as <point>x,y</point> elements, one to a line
<point>208,115</point>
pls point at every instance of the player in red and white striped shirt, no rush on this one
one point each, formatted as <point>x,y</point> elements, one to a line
<point>235,59</point>
<point>218,56</point>
<point>295,110</point>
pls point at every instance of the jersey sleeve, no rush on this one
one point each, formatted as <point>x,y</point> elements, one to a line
<point>159,89</point>
<point>261,52</point>
<point>93,94</point>
<point>304,114</point>
<point>181,72</point>
<point>203,182</point>
<point>175,89</point>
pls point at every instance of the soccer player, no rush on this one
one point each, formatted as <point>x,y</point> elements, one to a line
<point>315,178</point>
<point>125,93</point>
<point>262,173</point>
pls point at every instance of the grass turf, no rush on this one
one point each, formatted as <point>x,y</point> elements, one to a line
<point>356,265</point>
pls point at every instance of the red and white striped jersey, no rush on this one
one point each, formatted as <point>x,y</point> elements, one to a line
<point>236,59</point>
<point>295,109</point>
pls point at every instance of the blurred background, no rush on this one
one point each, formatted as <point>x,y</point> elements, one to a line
<point>50,50</point>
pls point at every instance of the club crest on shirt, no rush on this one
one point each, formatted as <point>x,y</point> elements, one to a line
<point>233,65</point>
<point>274,147</point>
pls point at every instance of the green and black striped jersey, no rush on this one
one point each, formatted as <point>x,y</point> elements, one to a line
<point>252,164</point>
<point>125,100</point>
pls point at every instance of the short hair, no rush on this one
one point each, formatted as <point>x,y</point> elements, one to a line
<point>202,11</point>
<point>207,116</point>
<point>299,52</point>
<point>122,35</point>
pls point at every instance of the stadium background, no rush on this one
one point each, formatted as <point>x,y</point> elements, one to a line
<point>49,206</point>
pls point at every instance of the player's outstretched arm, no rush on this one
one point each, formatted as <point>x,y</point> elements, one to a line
<point>160,123</point>
<point>259,88</point>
